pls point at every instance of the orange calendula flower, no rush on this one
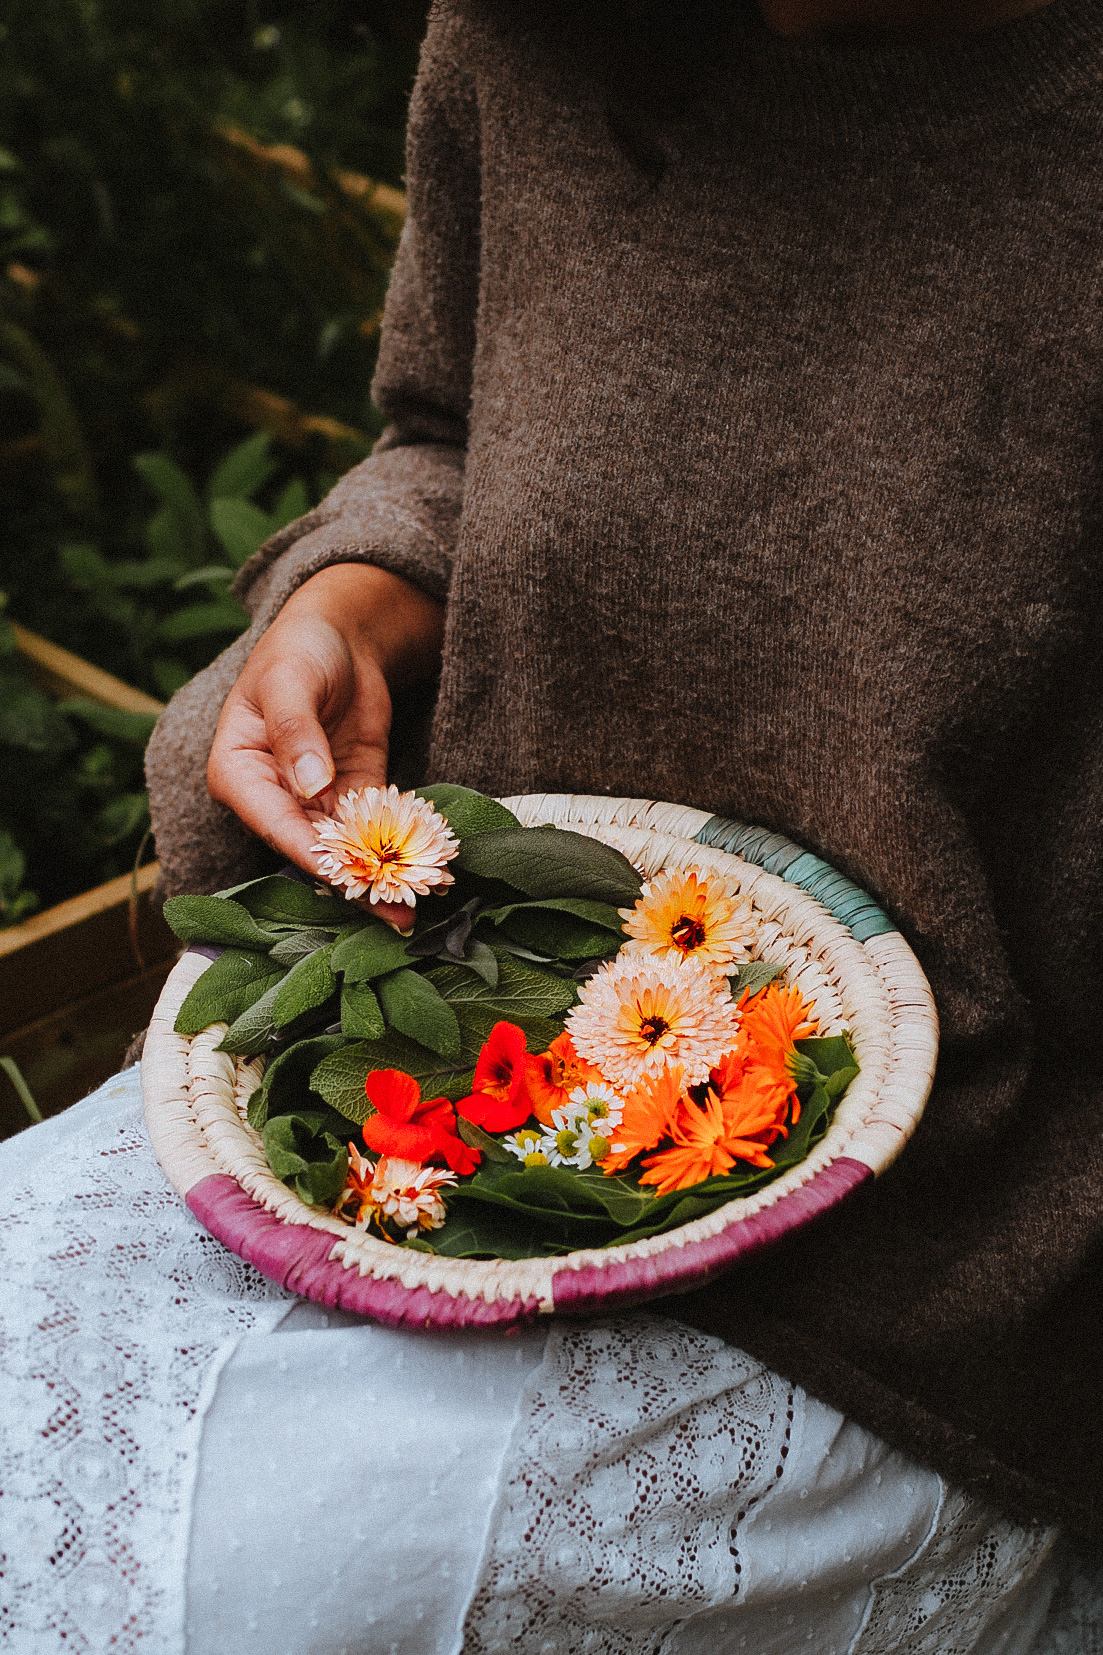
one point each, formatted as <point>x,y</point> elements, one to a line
<point>690,915</point>
<point>699,1149</point>
<point>554,1075</point>
<point>385,845</point>
<point>773,1021</point>
<point>754,1100</point>
<point>647,1118</point>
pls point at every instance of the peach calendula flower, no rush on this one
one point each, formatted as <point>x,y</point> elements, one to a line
<point>638,1016</point>
<point>690,915</point>
<point>394,1191</point>
<point>554,1075</point>
<point>385,845</point>
<point>647,1117</point>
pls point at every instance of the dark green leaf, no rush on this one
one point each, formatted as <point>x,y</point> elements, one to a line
<point>218,920</point>
<point>286,1084</point>
<point>479,958</point>
<point>296,945</point>
<point>552,862</point>
<point>199,620</point>
<point>307,986</point>
<point>111,721</point>
<point>754,975</point>
<point>251,1033</point>
<point>476,1138</point>
<point>240,528</point>
<point>244,470</point>
<point>467,812</point>
<point>370,952</point>
<point>283,901</point>
<point>521,990</point>
<point>413,1005</point>
<point>340,1078</point>
<point>361,1017</point>
<point>558,935</point>
<point>301,1151</point>
<point>229,986</point>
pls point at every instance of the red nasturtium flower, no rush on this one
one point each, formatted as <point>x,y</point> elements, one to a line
<point>554,1075</point>
<point>499,1099</point>
<point>412,1128</point>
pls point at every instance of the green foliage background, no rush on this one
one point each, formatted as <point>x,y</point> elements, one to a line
<point>199,204</point>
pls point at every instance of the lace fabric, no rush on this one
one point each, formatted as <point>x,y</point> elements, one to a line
<point>667,1495</point>
<point>117,1313</point>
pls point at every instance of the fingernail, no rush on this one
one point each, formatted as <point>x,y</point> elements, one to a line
<point>312,775</point>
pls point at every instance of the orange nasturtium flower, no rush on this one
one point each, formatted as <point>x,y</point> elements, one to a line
<point>554,1075</point>
<point>407,1127</point>
<point>499,1100</point>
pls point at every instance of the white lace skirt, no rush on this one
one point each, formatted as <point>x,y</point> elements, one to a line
<point>192,1463</point>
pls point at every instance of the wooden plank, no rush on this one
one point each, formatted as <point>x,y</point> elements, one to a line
<point>65,1055</point>
<point>78,949</point>
<point>64,673</point>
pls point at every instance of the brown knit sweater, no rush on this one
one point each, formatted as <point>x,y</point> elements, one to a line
<point>775,487</point>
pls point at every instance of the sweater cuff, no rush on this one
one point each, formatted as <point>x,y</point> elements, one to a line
<point>398,510</point>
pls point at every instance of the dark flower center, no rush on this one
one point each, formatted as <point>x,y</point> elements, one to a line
<point>652,1029</point>
<point>688,933</point>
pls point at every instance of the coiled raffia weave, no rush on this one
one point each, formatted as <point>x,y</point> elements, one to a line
<point>835,944</point>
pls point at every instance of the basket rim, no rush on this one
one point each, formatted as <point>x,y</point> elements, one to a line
<point>195,1099</point>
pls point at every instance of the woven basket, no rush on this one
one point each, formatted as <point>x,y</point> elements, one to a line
<point>836,945</point>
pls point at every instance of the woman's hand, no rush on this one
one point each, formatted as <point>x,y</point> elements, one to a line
<point>310,716</point>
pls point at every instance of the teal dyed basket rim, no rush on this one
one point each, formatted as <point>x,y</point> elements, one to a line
<point>851,905</point>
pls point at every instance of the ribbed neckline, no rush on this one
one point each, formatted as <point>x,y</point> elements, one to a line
<point>914,92</point>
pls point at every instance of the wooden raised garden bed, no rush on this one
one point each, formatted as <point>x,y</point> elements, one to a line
<point>80,979</point>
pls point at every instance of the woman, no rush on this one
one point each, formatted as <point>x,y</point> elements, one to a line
<point>743,387</point>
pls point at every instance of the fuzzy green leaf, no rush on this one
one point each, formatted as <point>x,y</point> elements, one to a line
<point>228,987</point>
<point>282,901</point>
<point>413,1005</point>
<point>307,986</point>
<point>557,935</point>
<point>253,1031</point>
<point>217,920</point>
<point>302,1152</point>
<point>244,470</point>
<point>754,975</point>
<point>521,990</point>
<point>370,952</point>
<point>296,945</point>
<point>361,1017</point>
<point>240,527</point>
<point>467,812</point>
<point>551,862</point>
<point>286,1082</point>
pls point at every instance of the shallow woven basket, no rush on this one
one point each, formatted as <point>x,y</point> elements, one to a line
<point>837,946</point>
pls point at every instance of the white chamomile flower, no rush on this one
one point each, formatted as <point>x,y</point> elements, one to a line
<point>528,1146</point>
<point>599,1102</point>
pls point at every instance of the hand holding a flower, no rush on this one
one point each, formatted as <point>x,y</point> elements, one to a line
<point>309,718</point>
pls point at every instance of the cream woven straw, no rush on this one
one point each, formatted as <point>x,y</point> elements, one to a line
<point>837,947</point>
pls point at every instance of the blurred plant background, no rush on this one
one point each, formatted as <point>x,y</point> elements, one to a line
<point>199,205</point>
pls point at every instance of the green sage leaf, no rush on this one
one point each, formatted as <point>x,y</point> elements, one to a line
<point>467,812</point>
<point>369,952</point>
<point>361,1017</point>
<point>521,990</point>
<point>228,987</point>
<point>413,1005</point>
<point>552,862</point>
<point>307,986</point>
<point>286,1082</point>
<point>754,975</point>
<point>288,902</point>
<point>250,1034</point>
<point>296,945</point>
<point>302,1152</point>
<point>216,920</point>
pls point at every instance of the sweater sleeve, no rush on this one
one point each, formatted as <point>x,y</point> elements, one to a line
<point>400,509</point>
